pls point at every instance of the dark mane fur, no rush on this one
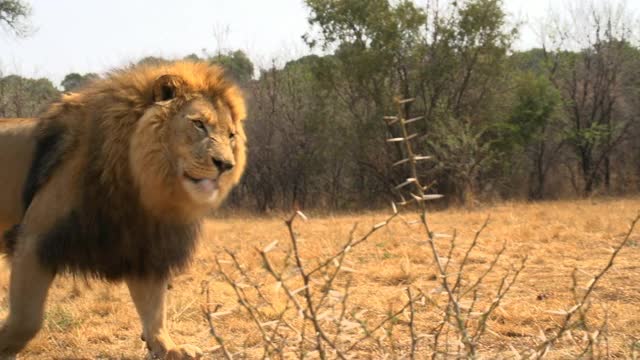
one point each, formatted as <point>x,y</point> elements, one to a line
<point>110,235</point>
<point>50,147</point>
<point>92,242</point>
<point>10,239</point>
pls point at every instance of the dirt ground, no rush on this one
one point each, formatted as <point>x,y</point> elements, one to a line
<point>97,321</point>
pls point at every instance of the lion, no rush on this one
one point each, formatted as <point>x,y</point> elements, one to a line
<point>112,182</point>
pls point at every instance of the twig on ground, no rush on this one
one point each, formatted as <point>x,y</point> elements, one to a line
<point>207,313</point>
<point>567,323</point>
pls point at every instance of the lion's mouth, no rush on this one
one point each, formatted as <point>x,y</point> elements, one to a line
<point>204,189</point>
<point>205,185</point>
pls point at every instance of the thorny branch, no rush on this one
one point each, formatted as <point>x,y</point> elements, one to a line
<point>567,324</point>
<point>208,315</point>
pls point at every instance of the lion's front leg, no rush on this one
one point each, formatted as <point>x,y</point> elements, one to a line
<point>149,298</point>
<point>27,295</point>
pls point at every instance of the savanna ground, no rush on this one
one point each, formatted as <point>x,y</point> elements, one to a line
<point>98,321</point>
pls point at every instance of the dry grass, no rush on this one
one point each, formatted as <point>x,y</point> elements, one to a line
<point>89,321</point>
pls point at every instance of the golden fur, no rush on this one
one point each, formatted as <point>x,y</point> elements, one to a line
<point>120,176</point>
<point>127,95</point>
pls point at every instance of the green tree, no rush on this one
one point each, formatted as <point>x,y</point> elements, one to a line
<point>152,60</point>
<point>371,63</point>
<point>531,129</point>
<point>14,15</point>
<point>236,63</point>
<point>74,80</point>
<point>22,97</point>
<point>462,84</point>
<point>453,62</point>
<point>593,89</point>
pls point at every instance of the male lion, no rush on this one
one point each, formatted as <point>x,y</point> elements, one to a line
<point>112,182</point>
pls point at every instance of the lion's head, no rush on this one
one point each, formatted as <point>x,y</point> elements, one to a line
<point>183,123</point>
<point>188,149</point>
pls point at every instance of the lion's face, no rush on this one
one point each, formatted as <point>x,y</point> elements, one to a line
<point>187,154</point>
<point>205,141</point>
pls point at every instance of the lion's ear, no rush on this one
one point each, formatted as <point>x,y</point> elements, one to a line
<point>167,87</point>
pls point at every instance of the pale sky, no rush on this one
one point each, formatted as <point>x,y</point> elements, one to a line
<point>94,36</point>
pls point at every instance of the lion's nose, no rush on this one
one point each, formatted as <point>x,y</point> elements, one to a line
<point>222,164</point>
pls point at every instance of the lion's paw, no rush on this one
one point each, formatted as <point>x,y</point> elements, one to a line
<point>184,352</point>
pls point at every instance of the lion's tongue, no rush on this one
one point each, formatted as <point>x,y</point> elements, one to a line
<point>205,185</point>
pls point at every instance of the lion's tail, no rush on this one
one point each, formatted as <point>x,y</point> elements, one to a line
<point>8,240</point>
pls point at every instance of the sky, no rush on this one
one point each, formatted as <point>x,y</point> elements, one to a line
<point>95,36</point>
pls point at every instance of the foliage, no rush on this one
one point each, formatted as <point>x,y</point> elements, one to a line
<point>237,64</point>
<point>14,16</point>
<point>535,101</point>
<point>22,97</point>
<point>498,122</point>
<point>74,80</point>
<point>152,60</point>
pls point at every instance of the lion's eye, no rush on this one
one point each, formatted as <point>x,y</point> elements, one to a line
<point>199,125</point>
<point>232,136</point>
